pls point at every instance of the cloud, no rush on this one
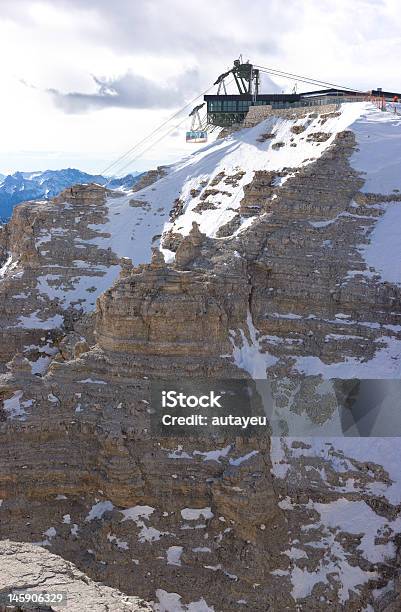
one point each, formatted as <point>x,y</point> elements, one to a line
<point>143,39</point>
<point>129,91</point>
<point>167,26</point>
<point>267,84</point>
<point>217,29</point>
<point>26,84</point>
<point>134,46</point>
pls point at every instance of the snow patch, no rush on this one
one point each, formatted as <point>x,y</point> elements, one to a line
<point>174,555</point>
<point>383,253</point>
<point>15,407</point>
<point>97,510</point>
<point>194,514</point>
<point>249,356</point>
<point>171,602</point>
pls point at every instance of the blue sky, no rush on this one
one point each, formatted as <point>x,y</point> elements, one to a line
<point>85,79</point>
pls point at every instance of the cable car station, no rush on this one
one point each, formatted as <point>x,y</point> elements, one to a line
<point>224,110</point>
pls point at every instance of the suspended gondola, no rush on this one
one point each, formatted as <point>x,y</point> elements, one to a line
<point>196,134</point>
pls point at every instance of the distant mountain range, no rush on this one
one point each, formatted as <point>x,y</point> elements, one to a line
<point>23,186</point>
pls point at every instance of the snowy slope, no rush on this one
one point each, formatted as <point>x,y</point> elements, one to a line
<point>137,220</point>
<point>383,253</point>
<point>133,228</point>
<point>349,511</point>
<point>379,154</point>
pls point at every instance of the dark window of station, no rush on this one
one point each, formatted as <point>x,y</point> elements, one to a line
<point>229,105</point>
<point>215,105</point>
<point>243,105</point>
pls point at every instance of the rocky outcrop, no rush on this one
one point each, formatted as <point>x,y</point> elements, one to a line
<point>174,315</point>
<point>150,177</point>
<point>55,269</point>
<point>164,312</point>
<point>310,248</point>
<point>259,113</point>
<point>36,570</point>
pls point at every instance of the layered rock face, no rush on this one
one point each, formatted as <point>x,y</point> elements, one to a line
<point>53,269</point>
<point>175,315</point>
<point>206,514</point>
<point>310,243</point>
<point>137,315</point>
<point>281,286</point>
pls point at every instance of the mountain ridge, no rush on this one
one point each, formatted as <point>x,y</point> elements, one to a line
<point>25,186</point>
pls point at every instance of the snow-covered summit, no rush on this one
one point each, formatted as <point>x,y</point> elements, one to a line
<point>135,226</point>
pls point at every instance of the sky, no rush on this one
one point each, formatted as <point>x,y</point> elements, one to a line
<point>83,81</point>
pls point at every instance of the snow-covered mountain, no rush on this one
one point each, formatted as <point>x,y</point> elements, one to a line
<point>279,258</point>
<point>24,186</point>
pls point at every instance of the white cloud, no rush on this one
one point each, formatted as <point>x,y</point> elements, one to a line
<point>129,91</point>
<point>165,49</point>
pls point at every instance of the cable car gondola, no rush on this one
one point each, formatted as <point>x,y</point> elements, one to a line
<point>196,134</point>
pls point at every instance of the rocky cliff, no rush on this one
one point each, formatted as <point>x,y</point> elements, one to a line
<point>267,255</point>
<point>34,569</point>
